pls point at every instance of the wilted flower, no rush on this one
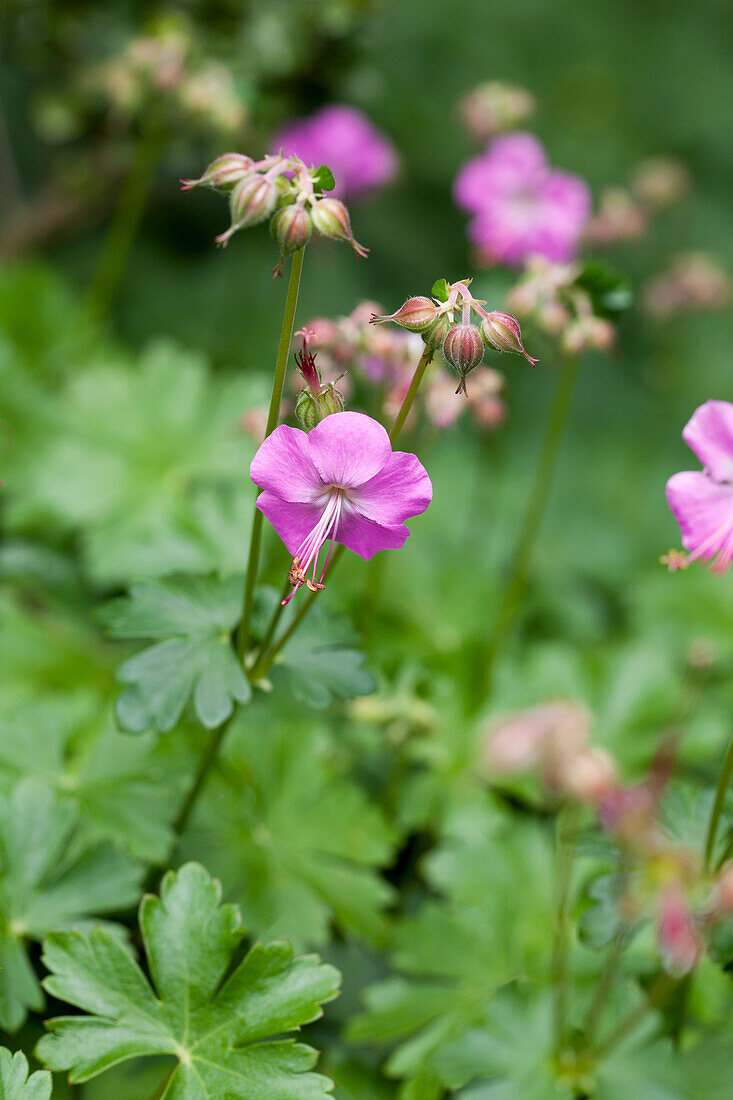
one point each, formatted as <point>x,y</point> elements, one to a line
<point>493,107</point>
<point>520,206</point>
<point>694,282</point>
<point>702,501</point>
<point>360,156</point>
<point>340,482</point>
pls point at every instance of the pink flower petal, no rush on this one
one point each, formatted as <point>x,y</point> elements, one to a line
<point>293,520</point>
<point>709,433</point>
<point>366,538</point>
<point>348,448</point>
<point>704,512</point>
<point>283,465</point>
<point>401,489</point>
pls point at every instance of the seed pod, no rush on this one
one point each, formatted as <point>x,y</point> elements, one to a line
<point>435,336</point>
<point>311,408</point>
<point>501,331</point>
<point>331,219</point>
<point>291,227</point>
<point>464,350</point>
<point>252,200</point>
<point>416,315</point>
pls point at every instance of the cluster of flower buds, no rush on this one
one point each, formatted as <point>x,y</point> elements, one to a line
<point>161,63</point>
<point>494,107</point>
<point>445,322</point>
<point>694,282</point>
<point>283,191</point>
<point>549,294</point>
<point>665,880</point>
<point>619,217</point>
<point>317,399</point>
<point>386,358</point>
<point>659,181</point>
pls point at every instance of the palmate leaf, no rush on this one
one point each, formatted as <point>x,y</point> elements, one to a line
<point>296,842</point>
<point>50,878</point>
<point>457,951</point>
<point>15,1084</point>
<point>216,1023</point>
<point>510,1055</point>
<point>193,618</point>
<point>132,444</point>
<point>320,663</point>
<point>127,790</point>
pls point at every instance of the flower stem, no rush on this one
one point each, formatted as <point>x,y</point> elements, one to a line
<point>265,659</point>
<point>125,224</point>
<point>656,995</point>
<point>563,884</point>
<point>513,590</point>
<point>278,382</point>
<point>206,762</point>
<point>409,398</point>
<point>604,986</point>
<point>722,789</point>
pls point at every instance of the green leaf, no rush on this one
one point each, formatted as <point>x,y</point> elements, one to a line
<point>127,790</point>
<point>323,179</point>
<point>15,1084</point>
<point>609,290</point>
<point>216,1017</point>
<point>320,663</point>
<point>297,843</point>
<point>194,617</point>
<point>132,445</point>
<point>440,290</point>
<point>50,878</point>
<point>458,950</point>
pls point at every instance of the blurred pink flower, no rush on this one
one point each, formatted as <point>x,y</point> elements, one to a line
<point>702,500</point>
<point>678,938</point>
<point>521,207</point>
<point>360,156</point>
<point>342,482</point>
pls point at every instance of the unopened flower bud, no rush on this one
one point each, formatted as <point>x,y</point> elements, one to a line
<point>588,775</point>
<point>464,350</point>
<point>223,173</point>
<point>677,935</point>
<point>252,200</point>
<point>501,331</point>
<point>434,336</point>
<point>416,315</point>
<point>291,227</point>
<point>311,408</point>
<point>331,219</point>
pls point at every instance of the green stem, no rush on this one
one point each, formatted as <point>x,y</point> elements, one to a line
<point>125,224</point>
<point>266,659</point>
<point>656,995</point>
<point>409,398</point>
<point>558,967</point>
<point>722,789</point>
<point>278,383</point>
<point>513,590</point>
<point>206,762</point>
<point>604,987</point>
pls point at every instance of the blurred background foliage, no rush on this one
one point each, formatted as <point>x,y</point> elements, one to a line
<point>362,829</point>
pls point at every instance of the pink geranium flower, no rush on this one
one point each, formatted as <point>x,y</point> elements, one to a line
<point>702,500</point>
<point>521,207</point>
<point>360,156</point>
<point>340,482</point>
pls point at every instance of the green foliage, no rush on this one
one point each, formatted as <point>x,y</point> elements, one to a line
<point>51,877</point>
<point>15,1084</point>
<point>297,843</point>
<point>323,179</point>
<point>458,950</point>
<point>125,790</point>
<point>440,290</point>
<point>136,454</point>
<point>194,659</point>
<point>216,1015</point>
<point>609,290</point>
